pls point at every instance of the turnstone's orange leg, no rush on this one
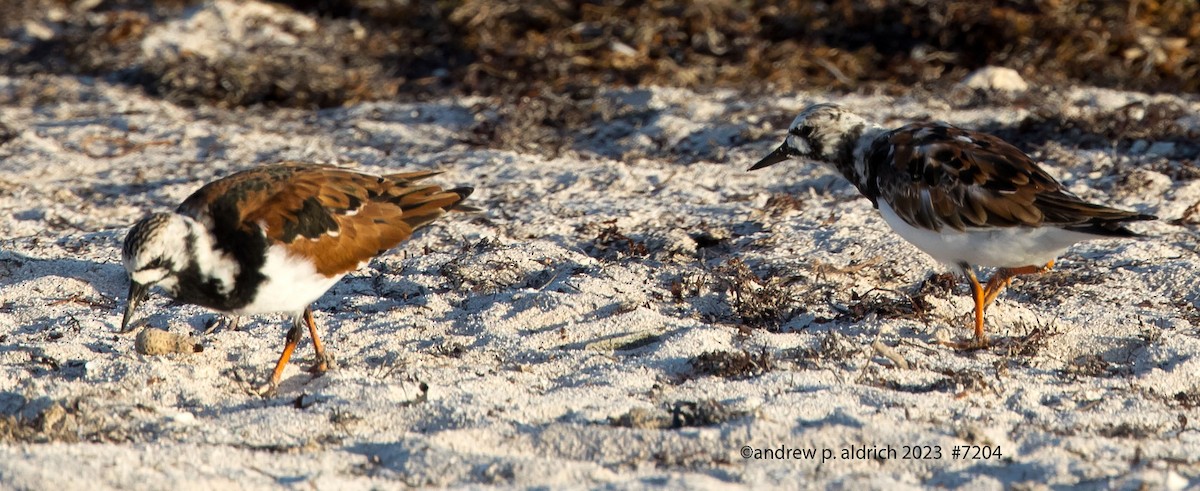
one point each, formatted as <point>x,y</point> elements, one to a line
<point>293,338</point>
<point>1003,277</point>
<point>322,363</point>
<point>999,281</point>
<point>980,307</point>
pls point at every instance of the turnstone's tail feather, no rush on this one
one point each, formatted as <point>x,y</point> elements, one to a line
<point>463,193</point>
<point>412,176</point>
<point>423,205</point>
<point>1073,213</point>
<point>439,201</point>
<point>1112,227</point>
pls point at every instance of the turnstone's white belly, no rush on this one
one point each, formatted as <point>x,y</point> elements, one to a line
<point>291,284</point>
<point>1008,247</point>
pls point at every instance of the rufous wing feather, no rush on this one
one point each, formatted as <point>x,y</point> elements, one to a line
<point>337,218</point>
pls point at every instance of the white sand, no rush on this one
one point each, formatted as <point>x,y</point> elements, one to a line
<point>510,317</point>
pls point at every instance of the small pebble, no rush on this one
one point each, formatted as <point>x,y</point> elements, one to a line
<point>183,417</point>
<point>153,341</point>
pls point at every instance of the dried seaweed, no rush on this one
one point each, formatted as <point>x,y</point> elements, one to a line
<point>679,414</point>
<point>758,301</point>
<point>732,364</point>
<point>367,49</point>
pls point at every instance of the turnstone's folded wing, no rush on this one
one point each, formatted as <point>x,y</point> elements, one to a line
<point>935,175</point>
<point>336,218</point>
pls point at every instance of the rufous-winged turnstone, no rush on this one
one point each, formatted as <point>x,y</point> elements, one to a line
<point>966,198</point>
<point>275,238</point>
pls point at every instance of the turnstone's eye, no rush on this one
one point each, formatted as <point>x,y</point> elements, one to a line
<point>157,263</point>
<point>802,132</point>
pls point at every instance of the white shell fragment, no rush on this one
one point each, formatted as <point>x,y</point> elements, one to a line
<point>996,79</point>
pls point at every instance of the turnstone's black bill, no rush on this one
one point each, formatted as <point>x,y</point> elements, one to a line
<point>965,198</point>
<point>275,238</point>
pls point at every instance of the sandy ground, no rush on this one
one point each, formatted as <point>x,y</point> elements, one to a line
<point>632,313</point>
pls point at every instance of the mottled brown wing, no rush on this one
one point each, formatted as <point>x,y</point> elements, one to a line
<point>935,175</point>
<point>229,200</point>
<point>336,217</point>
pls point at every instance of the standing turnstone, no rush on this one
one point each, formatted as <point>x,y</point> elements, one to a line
<point>275,238</point>
<point>966,198</point>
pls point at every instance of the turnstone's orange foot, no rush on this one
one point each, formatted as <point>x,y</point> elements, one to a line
<point>321,366</point>
<point>275,238</point>
<point>965,198</point>
<point>266,390</point>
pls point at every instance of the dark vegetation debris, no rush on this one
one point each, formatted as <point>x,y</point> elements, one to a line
<point>1094,366</point>
<point>732,365</point>
<point>885,304</point>
<point>7,134</point>
<point>1033,340</point>
<point>679,414</point>
<point>367,49</point>
<point>758,301</point>
<point>610,243</point>
<point>961,382</point>
<point>781,203</point>
<point>546,64</point>
<point>834,347</point>
<point>1188,399</point>
<point>1047,289</point>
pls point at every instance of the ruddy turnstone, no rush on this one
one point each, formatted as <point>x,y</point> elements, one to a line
<point>965,198</point>
<point>275,238</point>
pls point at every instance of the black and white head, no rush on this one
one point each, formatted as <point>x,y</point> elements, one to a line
<point>823,132</point>
<point>154,253</point>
